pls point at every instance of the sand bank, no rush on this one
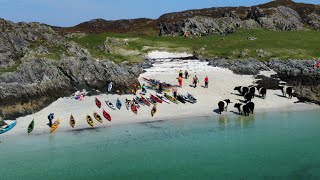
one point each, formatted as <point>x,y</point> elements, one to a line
<point>221,85</point>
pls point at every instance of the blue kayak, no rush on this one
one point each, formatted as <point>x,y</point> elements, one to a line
<point>118,104</point>
<point>8,127</point>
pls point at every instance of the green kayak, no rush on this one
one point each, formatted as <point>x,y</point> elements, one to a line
<point>172,99</point>
<point>31,126</point>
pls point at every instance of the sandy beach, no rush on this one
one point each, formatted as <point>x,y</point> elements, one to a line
<point>221,85</point>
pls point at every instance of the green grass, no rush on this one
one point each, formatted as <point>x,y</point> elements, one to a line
<point>280,44</point>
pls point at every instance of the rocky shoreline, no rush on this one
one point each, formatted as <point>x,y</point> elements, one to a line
<point>300,74</point>
<point>38,82</point>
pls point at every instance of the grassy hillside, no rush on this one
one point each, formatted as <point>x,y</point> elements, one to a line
<point>280,44</point>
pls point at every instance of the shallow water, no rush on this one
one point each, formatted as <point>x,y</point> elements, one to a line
<point>281,145</point>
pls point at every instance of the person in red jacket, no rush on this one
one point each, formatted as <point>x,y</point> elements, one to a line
<point>206,82</point>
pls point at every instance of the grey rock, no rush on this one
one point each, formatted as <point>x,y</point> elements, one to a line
<point>38,82</point>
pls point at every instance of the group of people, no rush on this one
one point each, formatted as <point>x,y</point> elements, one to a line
<point>195,80</point>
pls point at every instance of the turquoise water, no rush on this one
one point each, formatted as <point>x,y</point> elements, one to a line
<point>282,145</point>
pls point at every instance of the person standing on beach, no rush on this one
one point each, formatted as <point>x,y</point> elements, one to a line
<point>160,89</point>
<point>206,82</point>
<point>180,81</point>
<point>195,81</point>
<point>174,91</point>
<point>143,88</point>
<point>186,74</point>
<point>180,73</point>
<point>50,117</point>
<point>134,88</point>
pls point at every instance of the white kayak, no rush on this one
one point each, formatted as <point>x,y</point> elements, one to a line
<point>163,98</point>
<point>110,104</point>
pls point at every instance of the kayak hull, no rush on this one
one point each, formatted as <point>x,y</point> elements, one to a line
<point>9,127</point>
<point>55,126</point>
<point>90,121</point>
<point>106,115</point>
<point>72,121</point>
<point>31,126</point>
<point>97,117</point>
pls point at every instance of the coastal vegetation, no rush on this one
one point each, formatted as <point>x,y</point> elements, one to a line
<point>265,45</point>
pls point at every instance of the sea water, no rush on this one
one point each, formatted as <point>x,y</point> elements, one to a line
<point>271,145</point>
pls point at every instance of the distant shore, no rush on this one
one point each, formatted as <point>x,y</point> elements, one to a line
<point>221,84</point>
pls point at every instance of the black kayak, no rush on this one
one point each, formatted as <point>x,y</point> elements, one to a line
<point>180,98</point>
<point>188,99</point>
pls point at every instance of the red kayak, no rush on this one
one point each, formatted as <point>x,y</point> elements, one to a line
<point>134,108</point>
<point>145,101</point>
<point>98,103</point>
<point>106,115</point>
<point>155,98</point>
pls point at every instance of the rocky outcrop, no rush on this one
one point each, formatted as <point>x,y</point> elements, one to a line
<point>301,74</point>
<point>279,18</point>
<point>17,38</point>
<point>39,82</point>
<point>276,15</point>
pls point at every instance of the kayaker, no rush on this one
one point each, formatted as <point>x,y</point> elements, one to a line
<point>186,74</point>
<point>50,117</point>
<point>206,82</point>
<point>174,91</point>
<point>143,88</point>
<point>180,73</point>
<point>160,89</point>
<point>110,86</point>
<point>134,88</point>
<point>195,81</point>
<point>180,81</point>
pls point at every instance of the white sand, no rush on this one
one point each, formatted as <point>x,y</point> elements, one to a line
<point>221,85</point>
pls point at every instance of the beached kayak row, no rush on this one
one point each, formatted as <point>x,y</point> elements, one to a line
<point>133,105</point>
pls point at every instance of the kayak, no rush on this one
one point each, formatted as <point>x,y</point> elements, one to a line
<point>55,126</point>
<point>153,110</point>
<point>97,117</point>
<point>110,104</point>
<point>164,99</point>
<point>191,97</point>
<point>181,99</point>
<point>72,121</point>
<point>187,99</point>
<point>151,100</point>
<point>140,101</point>
<point>89,120</point>
<point>155,98</point>
<point>134,108</point>
<point>134,102</point>
<point>146,102</point>
<point>8,127</point>
<point>128,103</point>
<point>170,98</point>
<point>118,104</point>
<point>106,115</point>
<point>98,102</point>
<point>31,126</point>
<point>150,87</point>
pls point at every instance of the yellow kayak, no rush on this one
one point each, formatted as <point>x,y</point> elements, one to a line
<point>97,117</point>
<point>90,121</point>
<point>72,121</point>
<point>55,126</point>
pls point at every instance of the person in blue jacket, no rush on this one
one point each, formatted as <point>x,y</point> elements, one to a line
<point>50,117</point>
